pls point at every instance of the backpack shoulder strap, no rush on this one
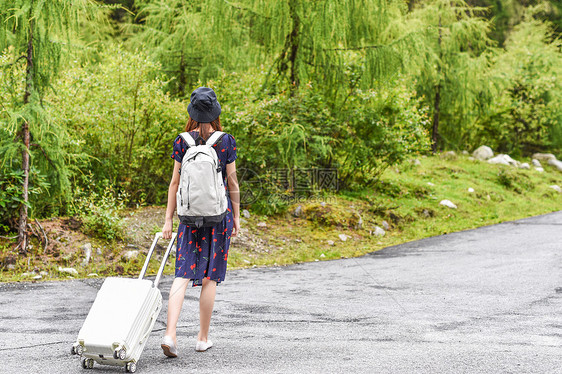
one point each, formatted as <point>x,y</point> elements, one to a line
<point>188,139</point>
<point>215,138</point>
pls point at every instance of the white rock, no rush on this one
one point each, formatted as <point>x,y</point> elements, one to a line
<point>471,158</point>
<point>536,163</point>
<point>483,153</point>
<point>261,224</point>
<point>322,255</point>
<point>331,242</point>
<point>544,156</point>
<point>430,184</point>
<point>323,204</point>
<point>385,225</point>
<point>539,169</point>
<point>470,189</point>
<point>503,160</point>
<point>359,224</point>
<point>556,187</point>
<point>11,267</point>
<point>378,231</point>
<point>556,163</point>
<point>87,248</point>
<point>449,155</point>
<point>298,211</point>
<point>525,165</point>
<point>43,273</point>
<point>246,213</point>
<point>26,274</point>
<point>415,162</point>
<point>93,275</point>
<point>68,270</point>
<point>448,204</point>
<point>37,277</point>
<point>131,254</point>
<point>465,152</point>
<point>499,159</point>
<point>343,237</point>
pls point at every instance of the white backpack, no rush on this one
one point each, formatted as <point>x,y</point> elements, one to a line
<point>201,197</point>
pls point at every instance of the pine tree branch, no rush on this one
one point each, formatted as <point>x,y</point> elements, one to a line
<point>246,9</point>
<point>44,154</point>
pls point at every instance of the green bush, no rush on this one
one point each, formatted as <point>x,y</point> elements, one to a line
<point>526,116</point>
<point>11,196</point>
<point>119,114</point>
<point>99,212</point>
<point>360,137</point>
<point>515,180</point>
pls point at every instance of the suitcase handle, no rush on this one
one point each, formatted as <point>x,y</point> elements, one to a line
<point>164,259</point>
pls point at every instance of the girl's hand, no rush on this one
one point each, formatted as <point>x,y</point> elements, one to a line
<point>167,230</point>
<point>236,228</point>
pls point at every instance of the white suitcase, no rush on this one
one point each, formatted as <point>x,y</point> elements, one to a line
<point>121,318</point>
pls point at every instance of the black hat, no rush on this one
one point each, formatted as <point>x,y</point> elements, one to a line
<point>204,106</point>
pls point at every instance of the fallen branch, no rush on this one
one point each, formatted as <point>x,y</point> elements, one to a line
<point>42,231</point>
<point>9,237</point>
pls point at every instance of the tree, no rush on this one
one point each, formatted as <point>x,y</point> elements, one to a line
<point>527,116</point>
<point>313,41</point>
<point>174,33</point>
<point>35,32</point>
<point>452,76</point>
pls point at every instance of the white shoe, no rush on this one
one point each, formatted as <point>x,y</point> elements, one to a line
<point>169,347</point>
<point>202,346</point>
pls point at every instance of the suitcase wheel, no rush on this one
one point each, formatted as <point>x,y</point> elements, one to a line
<point>120,354</point>
<point>87,363</point>
<point>76,349</point>
<point>131,367</point>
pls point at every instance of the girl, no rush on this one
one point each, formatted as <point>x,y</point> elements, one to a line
<point>201,253</point>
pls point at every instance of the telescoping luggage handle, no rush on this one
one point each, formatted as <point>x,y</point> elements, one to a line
<point>164,259</point>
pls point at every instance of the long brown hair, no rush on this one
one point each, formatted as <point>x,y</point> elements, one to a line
<point>204,128</point>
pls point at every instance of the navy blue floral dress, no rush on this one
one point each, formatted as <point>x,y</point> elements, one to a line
<point>202,253</point>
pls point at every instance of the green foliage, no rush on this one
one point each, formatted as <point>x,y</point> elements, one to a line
<point>10,193</point>
<point>350,85</point>
<point>48,155</point>
<point>452,77</point>
<point>119,115</point>
<point>100,211</point>
<point>527,115</point>
<point>33,34</point>
<point>382,127</point>
<point>369,131</point>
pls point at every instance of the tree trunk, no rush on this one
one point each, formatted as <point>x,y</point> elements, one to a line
<point>182,78</point>
<point>22,232</point>
<point>435,132</point>
<point>294,45</point>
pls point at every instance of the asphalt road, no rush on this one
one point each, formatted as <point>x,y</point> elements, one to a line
<point>481,301</point>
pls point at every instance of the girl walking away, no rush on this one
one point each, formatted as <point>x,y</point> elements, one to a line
<point>203,242</point>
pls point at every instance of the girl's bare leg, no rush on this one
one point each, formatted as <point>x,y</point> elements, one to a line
<point>175,302</point>
<point>206,304</point>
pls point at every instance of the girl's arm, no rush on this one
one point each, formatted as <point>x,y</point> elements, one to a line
<point>172,190</point>
<point>233,188</point>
